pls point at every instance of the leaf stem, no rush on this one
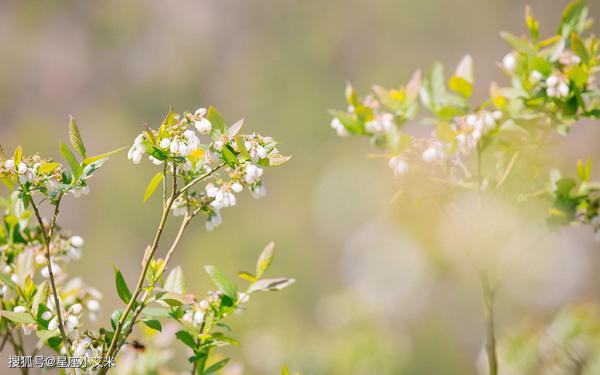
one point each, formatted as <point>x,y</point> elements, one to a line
<point>490,342</point>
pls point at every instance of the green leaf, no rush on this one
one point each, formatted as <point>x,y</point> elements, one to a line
<point>579,48</point>
<point>154,324</point>
<point>154,183</point>
<point>115,318</point>
<point>239,141</point>
<point>156,312</point>
<point>216,120</point>
<point>65,151</point>
<point>22,317</point>
<point>75,137</point>
<point>177,299</point>
<point>216,367</point>
<point>517,43</point>
<point>48,168</point>
<point>584,170</point>
<point>532,24</point>
<point>264,260</point>
<point>169,118</point>
<point>267,285</point>
<point>122,289</point>
<point>278,159</point>
<point>247,276</point>
<point>229,157</point>
<point>572,16</point>
<point>93,159</point>
<point>6,279</point>
<point>187,339</point>
<point>18,155</point>
<point>41,296</point>
<point>175,282</point>
<point>221,282</point>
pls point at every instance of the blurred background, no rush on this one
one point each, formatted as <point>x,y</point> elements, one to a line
<point>380,290</point>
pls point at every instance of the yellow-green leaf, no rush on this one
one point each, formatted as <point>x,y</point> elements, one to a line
<point>93,159</point>
<point>461,86</point>
<point>156,180</point>
<point>48,168</point>
<point>66,152</point>
<point>18,155</point>
<point>75,137</point>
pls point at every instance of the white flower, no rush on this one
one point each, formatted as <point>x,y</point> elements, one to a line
<point>14,278</point>
<point>261,152</point>
<point>258,191</point>
<point>253,172</point>
<point>200,112</point>
<point>340,129</point>
<point>471,120</point>
<point>40,259</point>
<point>165,142</point>
<point>204,305</point>
<point>72,321</point>
<point>203,125</point>
<point>136,156</point>
<point>211,190</point>
<point>563,89</point>
<point>184,150</point>
<point>218,145</point>
<point>237,187</point>
<point>22,169</point>
<point>47,315</point>
<point>93,305</point>
<point>198,317</point>
<point>55,270</point>
<point>174,147</point>
<point>398,165</point>
<point>509,61</point>
<point>76,308</point>
<point>430,154</point>
<point>373,127</point>
<point>552,81</point>
<point>53,324</point>
<point>19,309</point>
<point>154,160</point>
<point>535,77</point>
<point>213,221</point>
<point>9,164</point>
<point>76,241</point>
<point>551,91</point>
<point>497,115</point>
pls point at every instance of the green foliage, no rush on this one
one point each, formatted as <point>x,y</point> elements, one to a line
<point>122,288</point>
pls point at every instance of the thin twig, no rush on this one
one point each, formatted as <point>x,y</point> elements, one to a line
<point>112,349</point>
<point>47,236</point>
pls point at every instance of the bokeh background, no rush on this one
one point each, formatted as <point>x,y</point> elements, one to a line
<point>377,292</point>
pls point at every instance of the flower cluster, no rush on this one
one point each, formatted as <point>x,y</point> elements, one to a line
<point>552,85</point>
<point>576,201</point>
<point>228,162</point>
<point>25,290</point>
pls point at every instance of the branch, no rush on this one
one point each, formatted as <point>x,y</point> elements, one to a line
<point>47,236</point>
